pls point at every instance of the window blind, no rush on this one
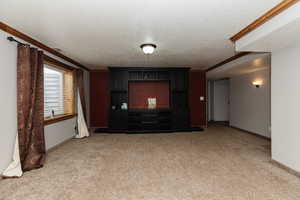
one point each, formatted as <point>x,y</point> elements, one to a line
<point>53,92</point>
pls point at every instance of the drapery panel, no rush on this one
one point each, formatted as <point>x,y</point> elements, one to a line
<point>29,151</point>
<point>30,106</point>
<point>82,130</point>
<point>14,169</point>
<point>80,87</point>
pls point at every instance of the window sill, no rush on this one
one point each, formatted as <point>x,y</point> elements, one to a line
<point>58,118</point>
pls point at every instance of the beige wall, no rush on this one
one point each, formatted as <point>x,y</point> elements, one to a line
<point>250,106</point>
<point>286,106</point>
<point>8,100</point>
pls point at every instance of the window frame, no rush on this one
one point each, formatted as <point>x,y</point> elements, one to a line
<point>53,63</point>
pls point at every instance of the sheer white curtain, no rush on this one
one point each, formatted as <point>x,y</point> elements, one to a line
<point>81,123</point>
<point>14,169</point>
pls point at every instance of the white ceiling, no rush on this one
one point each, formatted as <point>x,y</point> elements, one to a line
<point>272,36</point>
<point>248,64</point>
<point>188,33</point>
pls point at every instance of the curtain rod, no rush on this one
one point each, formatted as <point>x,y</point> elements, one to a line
<point>50,59</point>
<point>47,58</point>
<point>10,38</point>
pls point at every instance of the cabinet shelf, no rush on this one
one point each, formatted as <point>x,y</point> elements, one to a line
<point>118,91</point>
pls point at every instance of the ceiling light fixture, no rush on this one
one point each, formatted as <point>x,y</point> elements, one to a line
<point>148,48</point>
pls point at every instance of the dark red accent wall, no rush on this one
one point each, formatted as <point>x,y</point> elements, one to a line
<point>99,98</point>
<point>140,91</point>
<point>197,107</point>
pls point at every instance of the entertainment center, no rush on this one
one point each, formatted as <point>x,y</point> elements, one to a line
<point>149,99</point>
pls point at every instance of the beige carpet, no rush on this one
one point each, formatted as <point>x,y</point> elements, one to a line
<point>220,164</point>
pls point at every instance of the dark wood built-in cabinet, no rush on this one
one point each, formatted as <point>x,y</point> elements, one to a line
<point>174,117</point>
<point>156,119</point>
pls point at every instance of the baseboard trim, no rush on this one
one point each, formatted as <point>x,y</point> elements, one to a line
<point>212,121</point>
<point>223,123</point>
<point>286,168</point>
<point>251,133</point>
<point>59,144</point>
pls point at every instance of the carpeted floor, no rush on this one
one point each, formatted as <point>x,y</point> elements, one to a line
<point>218,164</point>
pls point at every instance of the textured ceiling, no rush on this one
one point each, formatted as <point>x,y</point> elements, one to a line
<point>248,64</point>
<point>188,33</point>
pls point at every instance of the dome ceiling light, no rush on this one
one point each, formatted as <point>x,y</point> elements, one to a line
<point>148,48</point>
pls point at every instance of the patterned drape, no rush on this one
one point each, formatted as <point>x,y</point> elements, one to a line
<point>30,105</point>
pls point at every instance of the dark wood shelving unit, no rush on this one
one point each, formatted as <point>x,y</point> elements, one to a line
<point>176,117</point>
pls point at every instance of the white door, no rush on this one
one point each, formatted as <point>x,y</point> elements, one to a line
<point>221,100</point>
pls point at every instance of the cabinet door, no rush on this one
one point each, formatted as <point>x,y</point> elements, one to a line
<point>118,119</point>
<point>180,119</point>
<point>179,80</point>
<point>179,100</point>
<point>119,80</point>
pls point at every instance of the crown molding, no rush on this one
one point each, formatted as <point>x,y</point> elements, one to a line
<point>228,60</point>
<point>38,44</point>
<point>264,18</point>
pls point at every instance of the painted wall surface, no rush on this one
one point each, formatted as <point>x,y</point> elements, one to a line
<point>99,98</point>
<point>250,106</point>
<point>197,89</point>
<point>285,106</point>
<point>211,100</point>
<point>59,132</point>
<point>208,106</point>
<point>140,91</point>
<point>8,100</point>
<point>54,134</point>
<point>221,100</point>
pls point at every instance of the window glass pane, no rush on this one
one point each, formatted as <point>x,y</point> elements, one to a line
<point>53,92</point>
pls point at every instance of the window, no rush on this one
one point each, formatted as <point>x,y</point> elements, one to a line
<point>53,92</point>
<point>58,92</point>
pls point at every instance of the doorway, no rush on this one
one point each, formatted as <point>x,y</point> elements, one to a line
<point>219,101</point>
